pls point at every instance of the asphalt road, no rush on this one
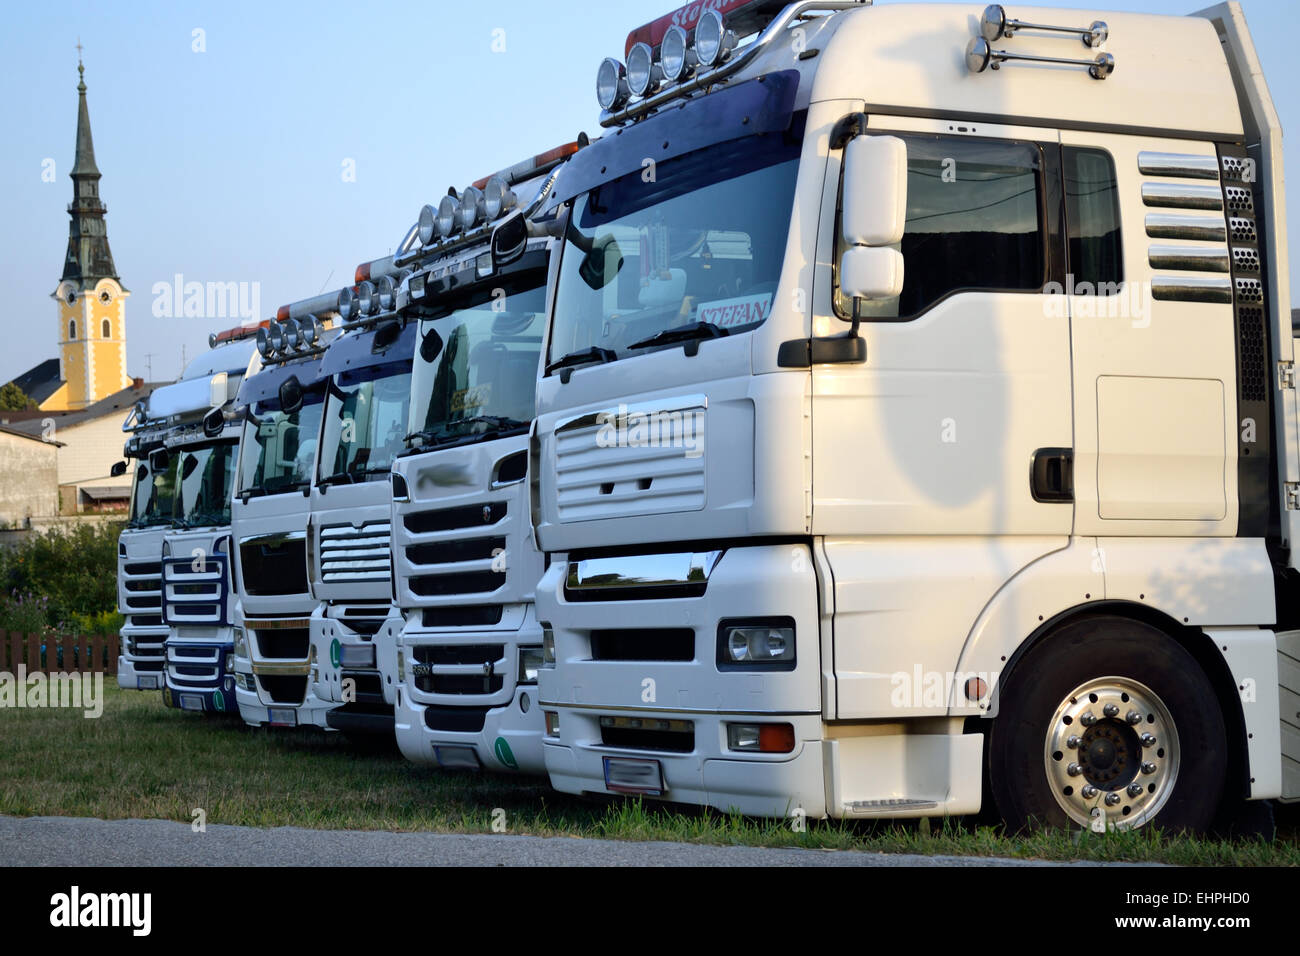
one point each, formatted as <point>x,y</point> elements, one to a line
<point>75,841</point>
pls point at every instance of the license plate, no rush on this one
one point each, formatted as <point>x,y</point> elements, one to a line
<point>456,758</point>
<point>146,683</point>
<point>630,775</point>
<point>191,702</point>
<point>357,655</point>
<point>282,717</point>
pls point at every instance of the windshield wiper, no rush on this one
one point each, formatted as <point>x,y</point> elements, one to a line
<point>582,357</point>
<point>694,332</point>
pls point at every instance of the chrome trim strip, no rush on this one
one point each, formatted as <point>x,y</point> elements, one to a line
<point>275,537</point>
<point>642,571</point>
<point>1191,289</point>
<point>1181,196</point>
<point>1184,165</point>
<point>1190,258</point>
<point>677,403</point>
<point>1170,226</point>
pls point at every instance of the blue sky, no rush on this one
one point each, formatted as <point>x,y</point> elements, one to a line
<point>228,165</point>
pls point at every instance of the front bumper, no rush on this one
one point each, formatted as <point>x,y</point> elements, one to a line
<point>274,687</point>
<point>197,678</point>
<point>143,659</point>
<point>497,730</point>
<point>864,770</point>
<point>355,670</point>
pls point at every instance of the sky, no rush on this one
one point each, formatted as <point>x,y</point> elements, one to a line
<point>277,145</point>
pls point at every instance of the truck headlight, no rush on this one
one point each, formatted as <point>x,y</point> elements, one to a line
<point>401,666</point>
<point>548,646</point>
<point>766,644</point>
<point>241,647</point>
<point>552,723</point>
<point>530,660</point>
<point>761,738</point>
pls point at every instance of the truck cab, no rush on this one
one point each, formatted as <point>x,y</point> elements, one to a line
<point>922,418</point>
<point>201,443</point>
<point>354,629</point>
<point>281,408</point>
<point>139,568</point>
<point>465,566</point>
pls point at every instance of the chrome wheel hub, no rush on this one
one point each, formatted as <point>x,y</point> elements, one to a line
<point>1111,754</point>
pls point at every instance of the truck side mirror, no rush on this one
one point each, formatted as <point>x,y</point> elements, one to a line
<point>291,395</point>
<point>873,216</point>
<point>159,460</point>
<point>118,469</point>
<point>509,239</point>
<point>213,422</point>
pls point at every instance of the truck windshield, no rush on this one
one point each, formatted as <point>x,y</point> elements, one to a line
<point>205,476</point>
<point>475,367</point>
<point>692,247</point>
<point>152,494</point>
<point>365,422</point>
<point>280,448</point>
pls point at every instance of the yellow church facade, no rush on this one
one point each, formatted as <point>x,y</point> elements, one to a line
<point>92,344</point>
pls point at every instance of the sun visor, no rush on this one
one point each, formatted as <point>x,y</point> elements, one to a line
<point>266,383</point>
<point>761,105</point>
<point>379,346</point>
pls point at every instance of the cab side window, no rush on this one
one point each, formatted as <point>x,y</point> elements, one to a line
<point>974,221</point>
<point>1092,220</point>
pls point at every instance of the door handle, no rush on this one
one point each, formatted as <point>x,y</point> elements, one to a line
<point>1051,477</point>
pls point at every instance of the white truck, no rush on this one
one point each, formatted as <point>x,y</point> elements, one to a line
<point>281,405</point>
<point>354,628</point>
<point>465,567</point>
<point>922,417</point>
<point>200,443</point>
<point>139,550</point>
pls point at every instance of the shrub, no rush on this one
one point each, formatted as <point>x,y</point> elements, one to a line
<point>73,570</point>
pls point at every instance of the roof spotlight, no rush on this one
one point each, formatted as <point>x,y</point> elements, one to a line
<point>276,337</point>
<point>448,210</point>
<point>263,343</point>
<point>348,305</point>
<point>366,298</point>
<point>498,198</point>
<point>643,74</point>
<point>676,56</point>
<point>212,340</point>
<point>386,291</point>
<point>713,41</point>
<point>611,84</point>
<point>428,225</point>
<point>311,329</point>
<point>471,208</point>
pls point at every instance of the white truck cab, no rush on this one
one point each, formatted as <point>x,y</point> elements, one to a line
<point>922,415</point>
<point>465,566</point>
<point>201,444</point>
<point>282,406</point>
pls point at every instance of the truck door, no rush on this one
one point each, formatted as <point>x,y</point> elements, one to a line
<point>1156,397</point>
<point>942,465</point>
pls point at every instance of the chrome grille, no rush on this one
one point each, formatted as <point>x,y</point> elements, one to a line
<point>350,554</point>
<point>195,591</point>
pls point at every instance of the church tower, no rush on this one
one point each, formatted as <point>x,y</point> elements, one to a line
<point>90,296</point>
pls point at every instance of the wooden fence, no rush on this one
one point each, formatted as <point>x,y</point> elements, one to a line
<point>85,654</point>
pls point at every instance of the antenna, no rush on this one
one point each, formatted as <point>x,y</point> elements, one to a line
<point>148,365</point>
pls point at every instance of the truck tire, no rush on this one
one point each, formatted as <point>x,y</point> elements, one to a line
<point>1107,723</point>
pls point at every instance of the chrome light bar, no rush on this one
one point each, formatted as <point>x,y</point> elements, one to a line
<point>713,61</point>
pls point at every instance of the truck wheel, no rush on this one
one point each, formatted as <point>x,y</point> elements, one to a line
<point>1109,722</point>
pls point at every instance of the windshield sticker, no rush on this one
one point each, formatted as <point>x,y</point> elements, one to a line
<point>476,396</point>
<point>729,313</point>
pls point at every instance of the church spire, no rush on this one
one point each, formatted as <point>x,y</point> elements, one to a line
<point>89,258</point>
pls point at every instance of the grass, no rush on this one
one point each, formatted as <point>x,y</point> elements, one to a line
<point>142,760</point>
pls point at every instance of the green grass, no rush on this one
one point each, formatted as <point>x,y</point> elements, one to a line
<point>143,760</point>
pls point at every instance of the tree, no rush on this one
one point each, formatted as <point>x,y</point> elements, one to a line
<point>14,399</point>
